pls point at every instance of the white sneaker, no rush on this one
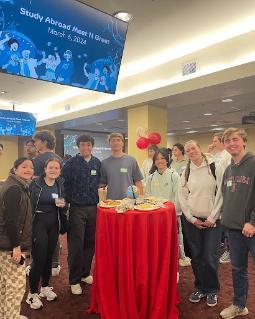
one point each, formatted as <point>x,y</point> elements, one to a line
<point>55,271</point>
<point>225,258</point>
<point>76,289</point>
<point>233,311</point>
<point>48,293</point>
<point>88,280</point>
<point>23,317</point>
<point>28,270</point>
<point>184,262</point>
<point>34,301</point>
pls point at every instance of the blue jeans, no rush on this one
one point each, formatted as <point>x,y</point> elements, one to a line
<point>240,246</point>
<point>204,245</point>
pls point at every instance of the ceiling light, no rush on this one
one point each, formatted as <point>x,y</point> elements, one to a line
<point>99,123</point>
<point>124,16</point>
<point>207,114</point>
<point>169,134</point>
<point>191,132</point>
<point>213,125</point>
<point>227,100</point>
<point>121,120</point>
<point>187,128</point>
<point>217,129</point>
<point>3,92</point>
<point>185,121</point>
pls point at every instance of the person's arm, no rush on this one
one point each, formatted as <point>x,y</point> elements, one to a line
<point>183,194</point>
<point>103,177</point>
<point>215,214</point>
<point>67,175</point>
<point>139,185</point>
<point>10,214</point>
<point>147,189</point>
<point>176,182</point>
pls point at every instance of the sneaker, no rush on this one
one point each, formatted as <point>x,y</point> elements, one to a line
<point>225,258</point>
<point>76,289</point>
<point>88,280</point>
<point>184,262</point>
<point>22,317</point>
<point>28,270</point>
<point>34,301</point>
<point>48,293</point>
<point>55,271</point>
<point>196,296</point>
<point>211,300</point>
<point>233,311</point>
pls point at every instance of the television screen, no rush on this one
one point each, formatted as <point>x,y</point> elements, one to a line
<point>17,123</point>
<point>61,41</point>
<point>101,148</point>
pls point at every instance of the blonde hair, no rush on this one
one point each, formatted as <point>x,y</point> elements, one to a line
<point>233,130</point>
<point>119,135</point>
<point>187,170</point>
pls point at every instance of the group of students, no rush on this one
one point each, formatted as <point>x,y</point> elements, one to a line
<point>208,194</point>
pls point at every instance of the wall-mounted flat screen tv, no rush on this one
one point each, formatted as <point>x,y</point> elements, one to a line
<point>61,41</point>
<point>17,123</point>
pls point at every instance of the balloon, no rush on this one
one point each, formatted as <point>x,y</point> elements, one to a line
<point>155,138</point>
<point>142,143</point>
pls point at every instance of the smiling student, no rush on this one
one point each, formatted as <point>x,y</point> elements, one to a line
<point>120,170</point>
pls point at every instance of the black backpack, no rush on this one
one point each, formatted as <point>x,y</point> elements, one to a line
<point>212,168</point>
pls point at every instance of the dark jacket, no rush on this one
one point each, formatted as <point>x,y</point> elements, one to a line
<point>35,189</point>
<point>238,189</point>
<point>24,220</point>
<point>82,180</point>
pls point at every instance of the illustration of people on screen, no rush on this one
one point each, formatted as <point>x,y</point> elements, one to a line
<point>13,65</point>
<point>93,78</point>
<point>51,63</point>
<point>2,47</point>
<point>107,78</point>
<point>28,65</point>
<point>64,70</point>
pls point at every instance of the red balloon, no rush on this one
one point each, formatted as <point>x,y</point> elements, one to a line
<point>142,143</point>
<point>155,138</point>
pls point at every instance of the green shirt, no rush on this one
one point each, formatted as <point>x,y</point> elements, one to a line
<point>179,166</point>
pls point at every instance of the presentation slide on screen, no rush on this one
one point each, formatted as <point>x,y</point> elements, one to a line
<point>17,123</point>
<point>61,41</point>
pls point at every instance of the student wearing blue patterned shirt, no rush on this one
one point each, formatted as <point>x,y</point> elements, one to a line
<point>81,173</point>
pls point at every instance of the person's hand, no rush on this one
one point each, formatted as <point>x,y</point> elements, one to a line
<point>199,224</point>
<point>248,230</point>
<point>16,254</point>
<point>208,224</point>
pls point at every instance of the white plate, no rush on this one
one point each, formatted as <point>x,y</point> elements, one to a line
<point>146,209</point>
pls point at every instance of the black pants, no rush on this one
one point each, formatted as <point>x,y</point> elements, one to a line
<point>81,242</point>
<point>45,236</point>
<point>204,245</point>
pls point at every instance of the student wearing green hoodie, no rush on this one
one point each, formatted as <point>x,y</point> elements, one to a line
<point>238,216</point>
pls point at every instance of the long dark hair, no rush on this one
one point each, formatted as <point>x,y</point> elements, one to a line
<point>18,162</point>
<point>165,153</point>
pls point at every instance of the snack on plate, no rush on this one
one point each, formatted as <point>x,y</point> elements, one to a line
<point>110,203</point>
<point>146,206</point>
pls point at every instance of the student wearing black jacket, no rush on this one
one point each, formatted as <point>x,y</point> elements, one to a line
<point>47,197</point>
<point>15,237</point>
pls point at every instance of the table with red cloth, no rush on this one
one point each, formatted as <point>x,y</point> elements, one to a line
<point>136,262</point>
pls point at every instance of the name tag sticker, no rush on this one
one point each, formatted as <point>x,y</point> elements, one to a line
<point>93,172</point>
<point>229,183</point>
<point>54,195</point>
<point>123,170</point>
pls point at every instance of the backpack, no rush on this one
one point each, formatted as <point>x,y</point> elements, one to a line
<point>212,169</point>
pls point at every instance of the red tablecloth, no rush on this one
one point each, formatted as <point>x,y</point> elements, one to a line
<point>136,262</point>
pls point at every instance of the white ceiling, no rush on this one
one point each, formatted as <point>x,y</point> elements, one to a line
<point>157,26</point>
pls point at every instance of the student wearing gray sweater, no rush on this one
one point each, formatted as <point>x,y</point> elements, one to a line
<point>238,216</point>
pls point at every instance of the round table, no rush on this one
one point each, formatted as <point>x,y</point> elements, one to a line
<point>136,262</point>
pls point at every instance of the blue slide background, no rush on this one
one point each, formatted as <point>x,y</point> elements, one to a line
<point>17,123</point>
<point>62,41</point>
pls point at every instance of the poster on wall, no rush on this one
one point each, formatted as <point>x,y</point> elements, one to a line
<point>61,41</point>
<point>17,123</point>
